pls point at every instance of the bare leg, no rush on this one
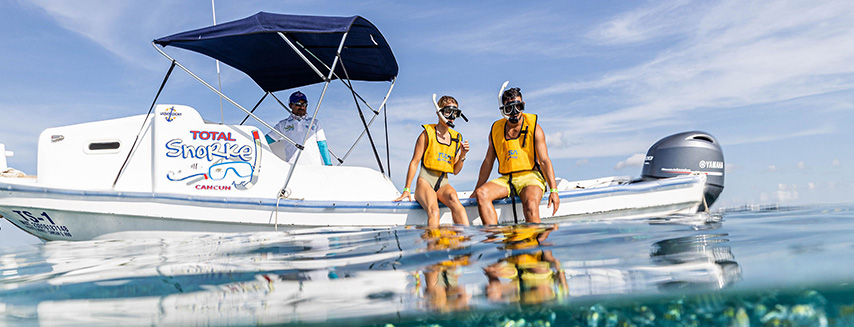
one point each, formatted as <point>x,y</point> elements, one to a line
<point>485,194</point>
<point>531,196</point>
<point>448,195</point>
<point>436,294</point>
<point>425,196</point>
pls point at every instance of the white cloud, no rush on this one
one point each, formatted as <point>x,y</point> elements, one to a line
<point>835,163</point>
<point>544,33</point>
<point>811,186</point>
<point>106,29</point>
<point>731,167</point>
<point>732,54</point>
<point>636,160</point>
<point>801,165</point>
<point>777,136</point>
<point>555,139</point>
<point>574,145</point>
<point>644,24</point>
<point>581,162</point>
<point>786,193</point>
<point>771,169</point>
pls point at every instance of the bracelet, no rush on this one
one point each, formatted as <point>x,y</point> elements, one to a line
<point>554,190</point>
<point>406,189</point>
<point>463,159</point>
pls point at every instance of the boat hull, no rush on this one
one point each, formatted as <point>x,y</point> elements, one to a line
<point>63,214</point>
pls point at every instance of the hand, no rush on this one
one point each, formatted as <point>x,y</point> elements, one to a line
<point>406,195</point>
<point>465,147</point>
<point>554,199</point>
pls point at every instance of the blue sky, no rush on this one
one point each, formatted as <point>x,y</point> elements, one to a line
<point>772,81</point>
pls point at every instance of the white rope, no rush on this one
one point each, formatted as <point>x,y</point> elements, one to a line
<point>12,172</point>
<point>705,204</point>
<point>276,228</point>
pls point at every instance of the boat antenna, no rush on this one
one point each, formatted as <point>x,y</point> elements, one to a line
<point>218,79</point>
<point>144,121</point>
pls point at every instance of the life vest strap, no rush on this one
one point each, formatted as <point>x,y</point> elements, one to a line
<point>513,194</point>
<point>439,182</point>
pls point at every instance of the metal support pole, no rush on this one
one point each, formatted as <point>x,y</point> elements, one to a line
<point>319,102</point>
<point>382,105</point>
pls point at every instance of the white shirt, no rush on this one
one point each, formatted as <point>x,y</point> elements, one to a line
<point>294,127</point>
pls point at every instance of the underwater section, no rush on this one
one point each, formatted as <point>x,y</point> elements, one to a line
<point>769,267</point>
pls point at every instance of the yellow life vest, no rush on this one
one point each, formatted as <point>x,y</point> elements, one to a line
<point>526,259</point>
<point>518,154</point>
<point>438,156</point>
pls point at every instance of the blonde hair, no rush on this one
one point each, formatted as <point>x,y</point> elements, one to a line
<point>445,100</point>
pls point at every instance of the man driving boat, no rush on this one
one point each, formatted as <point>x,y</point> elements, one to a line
<point>295,127</point>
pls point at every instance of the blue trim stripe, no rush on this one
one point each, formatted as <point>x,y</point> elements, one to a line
<point>670,183</point>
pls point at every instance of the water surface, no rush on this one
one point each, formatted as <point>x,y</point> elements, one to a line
<point>770,267</point>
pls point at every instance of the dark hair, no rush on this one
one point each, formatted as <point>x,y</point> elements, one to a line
<point>510,94</point>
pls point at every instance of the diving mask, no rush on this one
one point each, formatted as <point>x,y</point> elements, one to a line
<point>447,113</point>
<point>512,108</point>
<point>451,112</point>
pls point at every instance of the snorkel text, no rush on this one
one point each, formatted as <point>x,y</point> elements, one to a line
<point>210,152</point>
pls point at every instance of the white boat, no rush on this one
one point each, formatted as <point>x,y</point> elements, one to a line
<point>170,170</point>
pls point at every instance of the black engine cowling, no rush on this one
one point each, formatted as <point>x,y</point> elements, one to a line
<point>685,153</point>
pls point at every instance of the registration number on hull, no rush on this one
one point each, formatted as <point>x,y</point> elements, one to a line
<point>41,223</point>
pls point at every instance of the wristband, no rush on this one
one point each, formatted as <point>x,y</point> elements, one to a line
<point>406,189</point>
<point>554,190</point>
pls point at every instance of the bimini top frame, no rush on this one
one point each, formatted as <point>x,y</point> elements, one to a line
<point>281,52</point>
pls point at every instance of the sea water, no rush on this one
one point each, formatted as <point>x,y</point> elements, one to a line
<point>769,266</point>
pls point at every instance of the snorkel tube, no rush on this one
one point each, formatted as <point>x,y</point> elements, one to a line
<point>441,116</point>
<point>501,104</point>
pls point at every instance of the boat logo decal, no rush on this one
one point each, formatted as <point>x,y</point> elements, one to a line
<point>224,165</point>
<point>711,164</point>
<point>444,157</point>
<point>170,114</point>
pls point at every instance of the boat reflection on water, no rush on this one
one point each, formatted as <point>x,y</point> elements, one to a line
<point>204,279</point>
<point>335,275</point>
<point>716,264</point>
<point>688,263</point>
<point>519,265</point>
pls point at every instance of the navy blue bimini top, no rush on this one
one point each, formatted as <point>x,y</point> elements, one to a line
<point>253,46</point>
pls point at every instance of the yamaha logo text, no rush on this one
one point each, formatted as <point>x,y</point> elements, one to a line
<point>711,164</point>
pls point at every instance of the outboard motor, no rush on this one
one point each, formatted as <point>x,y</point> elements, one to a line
<point>685,153</point>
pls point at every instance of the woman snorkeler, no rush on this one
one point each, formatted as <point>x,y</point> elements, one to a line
<point>440,150</point>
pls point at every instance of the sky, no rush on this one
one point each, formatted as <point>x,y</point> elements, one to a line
<point>772,81</point>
